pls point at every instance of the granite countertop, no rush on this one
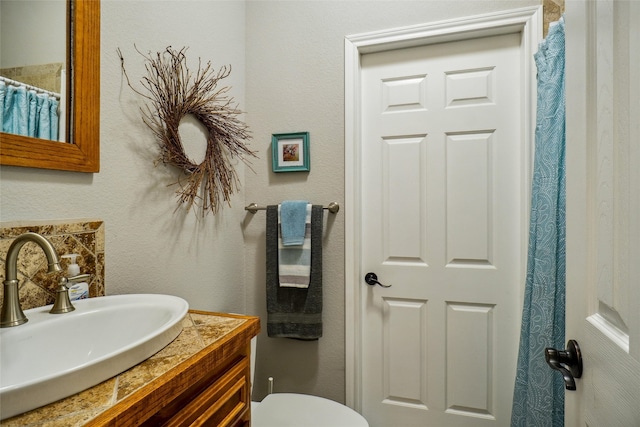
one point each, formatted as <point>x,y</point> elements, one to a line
<point>199,330</point>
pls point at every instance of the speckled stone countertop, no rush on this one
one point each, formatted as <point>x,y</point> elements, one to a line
<point>199,330</point>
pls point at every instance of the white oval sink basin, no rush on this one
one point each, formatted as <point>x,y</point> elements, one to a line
<point>53,356</point>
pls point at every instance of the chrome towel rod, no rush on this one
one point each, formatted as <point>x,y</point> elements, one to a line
<point>333,207</point>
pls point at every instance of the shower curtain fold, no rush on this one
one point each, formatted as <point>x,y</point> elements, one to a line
<point>25,112</point>
<point>539,391</point>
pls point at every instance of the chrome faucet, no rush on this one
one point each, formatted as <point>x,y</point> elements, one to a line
<point>12,314</point>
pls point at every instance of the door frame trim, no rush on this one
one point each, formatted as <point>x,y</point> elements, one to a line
<point>526,21</point>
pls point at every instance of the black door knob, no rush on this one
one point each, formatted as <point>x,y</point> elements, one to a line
<point>372,280</point>
<point>568,362</point>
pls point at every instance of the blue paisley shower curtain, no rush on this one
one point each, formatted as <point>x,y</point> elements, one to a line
<point>539,391</point>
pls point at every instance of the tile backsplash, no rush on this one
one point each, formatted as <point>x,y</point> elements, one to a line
<point>43,76</point>
<point>84,237</point>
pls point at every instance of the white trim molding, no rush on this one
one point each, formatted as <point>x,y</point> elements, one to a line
<point>525,21</point>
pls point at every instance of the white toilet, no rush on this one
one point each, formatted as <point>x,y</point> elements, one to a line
<point>295,410</point>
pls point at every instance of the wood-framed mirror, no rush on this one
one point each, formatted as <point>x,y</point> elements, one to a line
<point>82,152</point>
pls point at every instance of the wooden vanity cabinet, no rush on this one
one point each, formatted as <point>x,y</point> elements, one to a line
<point>219,401</point>
<point>211,388</point>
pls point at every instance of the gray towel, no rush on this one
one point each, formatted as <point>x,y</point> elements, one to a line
<point>294,312</point>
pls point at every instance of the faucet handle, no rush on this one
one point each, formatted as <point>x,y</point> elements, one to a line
<point>62,303</point>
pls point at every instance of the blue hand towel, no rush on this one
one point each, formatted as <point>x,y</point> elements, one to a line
<point>294,262</point>
<point>293,215</point>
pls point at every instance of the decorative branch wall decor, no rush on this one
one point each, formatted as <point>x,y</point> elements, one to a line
<point>173,93</point>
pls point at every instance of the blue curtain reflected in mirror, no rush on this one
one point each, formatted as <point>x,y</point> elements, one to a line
<point>28,112</point>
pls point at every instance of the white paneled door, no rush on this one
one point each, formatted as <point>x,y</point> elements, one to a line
<point>603,210</point>
<point>443,221</point>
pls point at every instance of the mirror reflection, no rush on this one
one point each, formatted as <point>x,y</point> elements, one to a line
<point>33,68</point>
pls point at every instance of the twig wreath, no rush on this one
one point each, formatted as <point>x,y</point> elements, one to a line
<point>173,93</point>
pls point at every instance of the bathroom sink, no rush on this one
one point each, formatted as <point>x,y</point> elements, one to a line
<point>53,356</point>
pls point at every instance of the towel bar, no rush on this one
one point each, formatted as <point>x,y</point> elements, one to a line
<point>333,207</point>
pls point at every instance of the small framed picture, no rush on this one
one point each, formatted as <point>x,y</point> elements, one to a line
<point>290,152</point>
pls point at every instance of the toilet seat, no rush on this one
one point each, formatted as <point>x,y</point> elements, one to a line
<point>295,410</point>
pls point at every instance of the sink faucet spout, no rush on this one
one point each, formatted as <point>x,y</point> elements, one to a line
<point>11,314</point>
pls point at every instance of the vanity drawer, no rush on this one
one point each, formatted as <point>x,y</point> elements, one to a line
<point>222,403</point>
<point>219,399</point>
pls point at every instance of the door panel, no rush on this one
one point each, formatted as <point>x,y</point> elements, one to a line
<point>442,222</point>
<point>468,211</point>
<point>603,210</point>
<point>403,230</point>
